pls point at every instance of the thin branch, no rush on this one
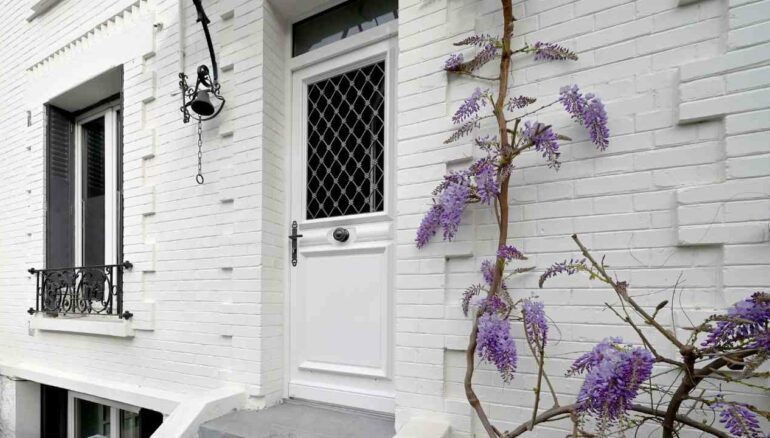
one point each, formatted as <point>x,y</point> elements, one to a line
<point>621,290</point>
<point>535,110</point>
<point>645,341</point>
<point>572,409</point>
<point>475,76</point>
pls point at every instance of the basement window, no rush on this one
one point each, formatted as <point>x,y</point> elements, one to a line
<point>69,414</point>
<point>340,22</point>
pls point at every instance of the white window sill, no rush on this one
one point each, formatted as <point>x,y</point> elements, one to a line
<point>89,325</point>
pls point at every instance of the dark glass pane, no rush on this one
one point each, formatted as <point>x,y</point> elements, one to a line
<point>130,425</point>
<point>91,419</point>
<point>93,192</point>
<point>53,412</point>
<point>150,421</point>
<point>60,225</point>
<point>340,22</point>
<point>346,143</point>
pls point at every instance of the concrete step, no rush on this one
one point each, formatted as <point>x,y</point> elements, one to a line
<point>301,419</point>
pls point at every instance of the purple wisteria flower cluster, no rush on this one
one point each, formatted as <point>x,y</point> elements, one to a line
<point>496,344</point>
<point>490,49</point>
<point>510,252</point>
<point>477,183</point>
<point>552,52</point>
<point>477,40</point>
<point>519,102</point>
<point>487,187</point>
<point>471,106</point>
<point>544,141</point>
<point>615,374</point>
<point>535,324</point>
<point>454,62</point>
<point>589,111</point>
<point>746,325</point>
<point>738,419</point>
<point>566,267</point>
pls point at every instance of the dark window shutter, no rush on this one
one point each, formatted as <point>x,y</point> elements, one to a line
<point>60,220</point>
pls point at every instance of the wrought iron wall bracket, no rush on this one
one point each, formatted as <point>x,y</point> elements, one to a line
<point>203,101</point>
<point>198,98</point>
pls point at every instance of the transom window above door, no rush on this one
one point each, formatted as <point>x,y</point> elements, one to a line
<point>346,143</point>
<point>340,22</point>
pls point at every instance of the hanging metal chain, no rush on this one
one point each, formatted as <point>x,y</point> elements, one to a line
<point>199,176</point>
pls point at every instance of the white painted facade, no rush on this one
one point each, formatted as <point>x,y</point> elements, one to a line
<point>684,188</point>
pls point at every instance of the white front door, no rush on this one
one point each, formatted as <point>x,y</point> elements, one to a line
<point>341,303</point>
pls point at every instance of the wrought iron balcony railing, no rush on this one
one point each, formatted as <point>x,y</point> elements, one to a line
<point>86,290</point>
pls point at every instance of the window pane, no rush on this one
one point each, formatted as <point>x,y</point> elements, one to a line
<point>130,425</point>
<point>346,143</point>
<point>92,420</point>
<point>53,412</point>
<point>340,22</point>
<point>93,192</point>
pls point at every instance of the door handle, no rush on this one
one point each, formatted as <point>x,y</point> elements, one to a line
<point>293,237</point>
<point>341,234</point>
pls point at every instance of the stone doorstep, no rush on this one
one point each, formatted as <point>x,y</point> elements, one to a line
<point>301,419</point>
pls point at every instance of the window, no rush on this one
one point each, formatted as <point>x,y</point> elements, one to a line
<point>346,143</point>
<point>340,22</point>
<point>92,417</point>
<point>68,414</point>
<point>84,175</point>
<point>83,243</point>
<point>84,185</point>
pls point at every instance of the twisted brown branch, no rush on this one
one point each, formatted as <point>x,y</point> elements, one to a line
<point>572,409</point>
<point>502,201</point>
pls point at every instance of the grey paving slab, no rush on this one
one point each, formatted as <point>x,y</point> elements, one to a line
<point>298,419</point>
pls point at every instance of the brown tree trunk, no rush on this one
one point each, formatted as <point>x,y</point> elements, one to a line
<point>506,150</point>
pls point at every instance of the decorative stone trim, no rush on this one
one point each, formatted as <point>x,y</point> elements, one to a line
<point>41,7</point>
<point>425,428</point>
<point>105,27</point>
<point>90,325</point>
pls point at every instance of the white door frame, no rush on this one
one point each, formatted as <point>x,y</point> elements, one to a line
<point>361,49</point>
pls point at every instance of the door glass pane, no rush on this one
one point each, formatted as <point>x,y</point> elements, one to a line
<point>93,192</point>
<point>340,22</point>
<point>345,143</point>
<point>92,420</point>
<point>130,425</point>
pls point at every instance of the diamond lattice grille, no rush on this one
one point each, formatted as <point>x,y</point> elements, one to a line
<point>345,143</point>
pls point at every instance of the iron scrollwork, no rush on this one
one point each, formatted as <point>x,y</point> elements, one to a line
<point>204,101</point>
<point>86,290</point>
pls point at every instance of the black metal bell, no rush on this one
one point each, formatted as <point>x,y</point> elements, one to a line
<point>201,105</point>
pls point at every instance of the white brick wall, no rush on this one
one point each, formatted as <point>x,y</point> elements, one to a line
<point>207,283</point>
<point>683,187</point>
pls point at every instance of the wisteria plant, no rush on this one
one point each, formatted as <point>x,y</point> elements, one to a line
<point>726,348</point>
